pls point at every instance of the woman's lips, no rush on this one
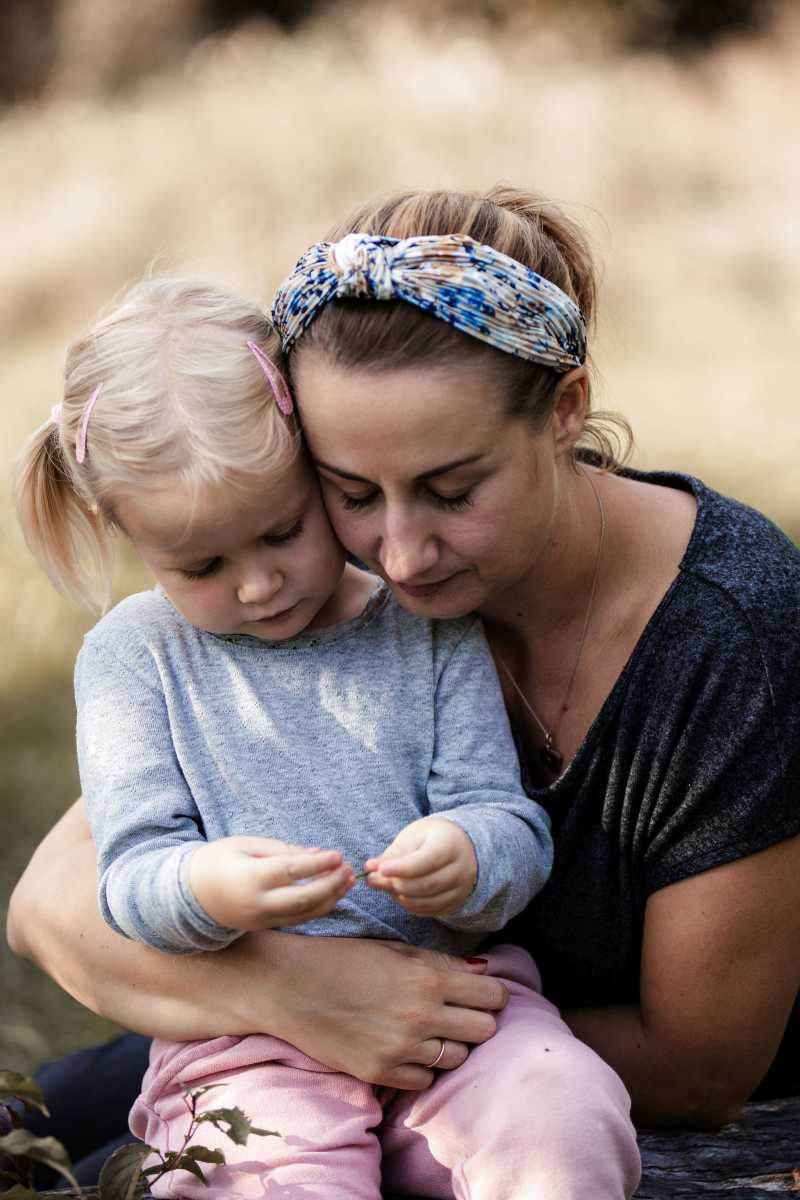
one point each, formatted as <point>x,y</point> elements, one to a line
<point>420,590</point>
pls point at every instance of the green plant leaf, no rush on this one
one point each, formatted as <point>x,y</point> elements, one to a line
<point>203,1154</point>
<point>21,1087</point>
<point>234,1123</point>
<point>122,1171</point>
<point>18,1192</point>
<point>44,1150</point>
<point>185,1163</point>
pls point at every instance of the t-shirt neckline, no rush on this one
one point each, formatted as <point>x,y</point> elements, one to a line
<point>673,479</point>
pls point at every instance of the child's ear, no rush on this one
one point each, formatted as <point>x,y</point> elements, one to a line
<point>570,407</point>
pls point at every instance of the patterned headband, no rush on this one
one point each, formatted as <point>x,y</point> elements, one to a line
<point>473,287</point>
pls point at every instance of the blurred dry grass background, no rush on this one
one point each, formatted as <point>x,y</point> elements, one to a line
<point>234,157</point>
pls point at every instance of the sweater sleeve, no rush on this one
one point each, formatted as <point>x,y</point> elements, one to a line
<point>475,782</point>
<point>142,815</point>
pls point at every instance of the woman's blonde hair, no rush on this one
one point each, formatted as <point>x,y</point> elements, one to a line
<point>385,335</point>
<point>182,401</point>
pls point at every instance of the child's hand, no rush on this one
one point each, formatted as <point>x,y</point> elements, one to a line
<point>430,867</point>
<point>251,882</point>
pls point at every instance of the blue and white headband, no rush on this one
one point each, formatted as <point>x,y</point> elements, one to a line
<point>473,287</point>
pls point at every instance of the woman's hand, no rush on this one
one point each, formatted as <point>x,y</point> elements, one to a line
<point>254,883</point>
<point>430,868</point>
<point>377,1010</point>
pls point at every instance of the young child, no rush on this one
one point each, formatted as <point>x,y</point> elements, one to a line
<point>262,720</point>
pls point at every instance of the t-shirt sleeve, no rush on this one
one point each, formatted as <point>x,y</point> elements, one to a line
<point>142,815</point>
<point>723,781</point>
<point>475,782</point>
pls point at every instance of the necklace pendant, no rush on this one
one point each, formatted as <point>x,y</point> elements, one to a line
<point>550,758</point>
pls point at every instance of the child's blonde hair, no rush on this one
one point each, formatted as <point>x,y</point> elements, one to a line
<point>182,400</point>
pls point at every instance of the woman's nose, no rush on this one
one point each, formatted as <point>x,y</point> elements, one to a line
<point>407,550</point>
<point>258,583</point>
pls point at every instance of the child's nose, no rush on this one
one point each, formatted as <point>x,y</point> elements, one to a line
<point>259,584</point>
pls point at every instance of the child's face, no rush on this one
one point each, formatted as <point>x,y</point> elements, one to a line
<point>258,560</point>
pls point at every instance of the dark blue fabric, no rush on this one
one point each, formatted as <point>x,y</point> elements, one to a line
<point>692,762</point>
<point>89,1094</point>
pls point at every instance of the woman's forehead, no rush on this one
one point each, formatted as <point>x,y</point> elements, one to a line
<point>421,417</point>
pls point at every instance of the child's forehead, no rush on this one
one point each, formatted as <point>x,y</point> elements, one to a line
<point>180,518</point>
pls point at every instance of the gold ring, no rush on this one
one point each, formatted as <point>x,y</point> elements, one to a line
<point>430,1066</point>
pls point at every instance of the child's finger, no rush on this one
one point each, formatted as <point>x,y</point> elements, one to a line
<point>301,902</point>
<point>432,906</point>
<point>265,847</point>
<point>289,868</point>
<point>422,861</point>
<point>423,886</point>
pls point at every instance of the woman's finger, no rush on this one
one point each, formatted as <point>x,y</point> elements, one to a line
<point>441,1054</point>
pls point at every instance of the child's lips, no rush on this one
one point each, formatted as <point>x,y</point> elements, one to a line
<point>277,616</point>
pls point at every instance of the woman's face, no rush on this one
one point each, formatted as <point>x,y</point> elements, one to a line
<point>428,482</point>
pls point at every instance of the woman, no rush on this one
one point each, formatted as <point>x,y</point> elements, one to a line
<point>645,633</point>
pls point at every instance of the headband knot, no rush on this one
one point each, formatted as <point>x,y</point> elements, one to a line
<point>363,267</point>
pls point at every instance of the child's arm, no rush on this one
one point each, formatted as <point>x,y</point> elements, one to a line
<point>160,882</point>
<point>487,868</point>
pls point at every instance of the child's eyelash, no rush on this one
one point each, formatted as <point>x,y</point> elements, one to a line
<point>271,539</point>
<point>202,572</point>
<point>280,539</point>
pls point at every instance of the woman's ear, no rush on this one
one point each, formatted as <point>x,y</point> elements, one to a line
<point>570,407</point>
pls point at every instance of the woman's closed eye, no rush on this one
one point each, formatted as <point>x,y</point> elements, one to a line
<point>360,503</point>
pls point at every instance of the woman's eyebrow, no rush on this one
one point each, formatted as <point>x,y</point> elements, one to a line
<point>442,469</point>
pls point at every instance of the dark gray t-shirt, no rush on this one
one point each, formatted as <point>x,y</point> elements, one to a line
<point>693,761</point>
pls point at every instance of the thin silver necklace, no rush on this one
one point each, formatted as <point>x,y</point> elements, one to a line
<point>550,756</point>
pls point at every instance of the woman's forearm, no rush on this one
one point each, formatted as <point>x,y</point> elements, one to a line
<point>365,1007</point>
<point>666,1088</point>
<point>54,921</point>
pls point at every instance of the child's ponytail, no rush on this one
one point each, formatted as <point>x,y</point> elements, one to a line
<point>68,534</point>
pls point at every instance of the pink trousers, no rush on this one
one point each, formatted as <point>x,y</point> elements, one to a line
<point>533,1114</point>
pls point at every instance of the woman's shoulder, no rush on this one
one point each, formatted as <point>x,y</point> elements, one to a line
<point>742,552</point>
<point>738,568</point>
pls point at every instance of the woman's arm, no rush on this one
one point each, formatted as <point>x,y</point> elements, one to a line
<point>361,1006</point>
<point>720,972</point>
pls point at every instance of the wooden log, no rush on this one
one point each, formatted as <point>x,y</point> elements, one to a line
<point>756,1158</point>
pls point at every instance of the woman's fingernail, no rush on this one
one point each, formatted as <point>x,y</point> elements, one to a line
<point>476,962</point>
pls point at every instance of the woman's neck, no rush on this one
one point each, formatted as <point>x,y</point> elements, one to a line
<point>551,598</point>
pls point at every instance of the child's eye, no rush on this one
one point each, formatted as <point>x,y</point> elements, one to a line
<point>465,500</point>
<point>280,539</point>
<point>210,568</point>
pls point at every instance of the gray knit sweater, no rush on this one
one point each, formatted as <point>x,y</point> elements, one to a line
<point>337,738</point>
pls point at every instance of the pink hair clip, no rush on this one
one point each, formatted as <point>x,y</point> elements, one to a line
<point>55,413</point>
<point>80,441</point>
<point>280,391</point>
